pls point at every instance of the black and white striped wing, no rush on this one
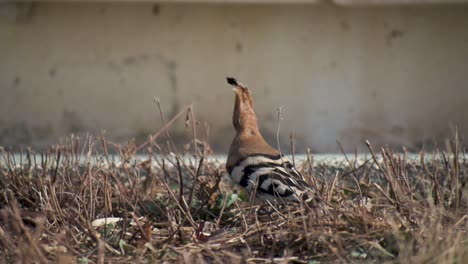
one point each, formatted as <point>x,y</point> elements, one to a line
<point>271,177</point>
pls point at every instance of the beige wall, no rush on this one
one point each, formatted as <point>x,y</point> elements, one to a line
<point>396,75</point>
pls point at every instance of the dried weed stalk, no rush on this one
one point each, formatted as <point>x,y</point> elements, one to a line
<point>89,200</point>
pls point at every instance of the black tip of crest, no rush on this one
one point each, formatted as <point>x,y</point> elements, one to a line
<point>231,81</point>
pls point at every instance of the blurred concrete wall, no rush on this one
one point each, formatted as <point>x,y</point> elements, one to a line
<point>393,74</point>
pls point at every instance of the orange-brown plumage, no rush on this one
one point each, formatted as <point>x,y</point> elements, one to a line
<point>248,140</point>
<point>253,163</point>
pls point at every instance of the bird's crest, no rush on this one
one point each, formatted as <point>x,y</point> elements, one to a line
<point>232,81</point>
<point>244,116</point>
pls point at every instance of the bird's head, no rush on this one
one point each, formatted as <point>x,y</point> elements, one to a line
<point>243,118</point>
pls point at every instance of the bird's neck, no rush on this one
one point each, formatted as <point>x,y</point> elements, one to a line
<point>248,127</point>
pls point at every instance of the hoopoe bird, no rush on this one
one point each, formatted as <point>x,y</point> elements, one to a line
<point>254,164</point>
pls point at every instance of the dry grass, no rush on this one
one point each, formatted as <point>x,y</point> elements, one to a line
<point>90,201</point>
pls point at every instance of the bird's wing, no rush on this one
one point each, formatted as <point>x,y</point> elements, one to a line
<point>270,175</point>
